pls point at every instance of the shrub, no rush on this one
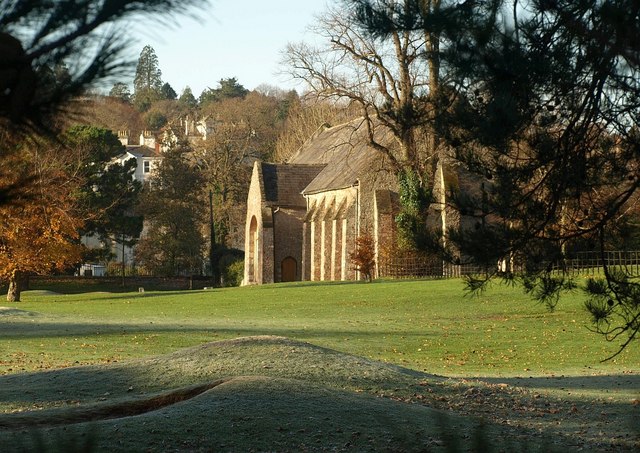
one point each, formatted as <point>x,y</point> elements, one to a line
<point>233,273</point>
<point>364,256</point>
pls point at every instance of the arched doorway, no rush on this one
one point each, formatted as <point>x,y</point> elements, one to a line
<point>289,269</point>
<point>253,250</point>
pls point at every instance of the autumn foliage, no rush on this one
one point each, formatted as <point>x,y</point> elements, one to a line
<point>38,230</point>
<point>363,258</point>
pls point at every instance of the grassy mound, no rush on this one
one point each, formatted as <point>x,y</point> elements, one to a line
<point>251,356</point>
<point>257,413</point>
<point>260,393</point>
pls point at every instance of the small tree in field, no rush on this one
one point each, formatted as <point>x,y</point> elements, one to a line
<point>364,257</point>
<point>39,231</point>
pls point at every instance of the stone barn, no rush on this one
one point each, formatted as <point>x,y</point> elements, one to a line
<point>303,217</point>
<point>276,210</point>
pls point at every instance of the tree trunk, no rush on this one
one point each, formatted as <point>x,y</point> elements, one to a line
<point>123,261</point>
<point>213,255</point>
<point>16,285</point>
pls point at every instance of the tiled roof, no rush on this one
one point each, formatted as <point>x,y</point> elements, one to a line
<point>345,151</point>
<point>143,151</point>
<point>283,183</point>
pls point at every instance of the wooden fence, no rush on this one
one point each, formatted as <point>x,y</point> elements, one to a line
<point>591,263</point>
<point>580,263</point>
<point>417,266</point>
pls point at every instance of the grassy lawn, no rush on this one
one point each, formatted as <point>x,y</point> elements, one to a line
<point>428,326</point>
<point>498,357</point>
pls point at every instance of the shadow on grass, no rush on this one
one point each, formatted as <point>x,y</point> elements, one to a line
<point>265,414</point>
<point>326,426</point>
<point>18,327</point>
<point>596,382</point>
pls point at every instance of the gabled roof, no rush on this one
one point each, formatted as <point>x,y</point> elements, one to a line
<point>283,183</point>
<point>346,152</point>
<point>142,151</point>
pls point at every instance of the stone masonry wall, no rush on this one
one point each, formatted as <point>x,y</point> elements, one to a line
<point>252,268</point>
<point>288,239</point>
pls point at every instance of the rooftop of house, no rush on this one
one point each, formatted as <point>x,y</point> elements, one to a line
<point>142,151</point>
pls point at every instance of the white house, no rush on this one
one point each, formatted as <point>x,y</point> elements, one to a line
<point>189,129</point>
<point>147,154</point>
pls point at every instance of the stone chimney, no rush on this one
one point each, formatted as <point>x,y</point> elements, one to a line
<point>147,139</point>
<point>123,136</point>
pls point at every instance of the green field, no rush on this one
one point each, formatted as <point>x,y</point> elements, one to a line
<point>531,374</point>
<point>428,326</point>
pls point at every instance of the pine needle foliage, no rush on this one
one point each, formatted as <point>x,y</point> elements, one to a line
<point>542,102</point>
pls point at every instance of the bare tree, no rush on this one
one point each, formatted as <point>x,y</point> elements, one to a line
<point>394,81</point>
<point>111,113</point>
<point>304,118</point>
<point>548,95</point>
<point>244,129</point>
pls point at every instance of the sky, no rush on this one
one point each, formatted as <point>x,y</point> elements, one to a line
<point>233,38</point>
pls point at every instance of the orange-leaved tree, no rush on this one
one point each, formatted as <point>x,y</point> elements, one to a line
<point>38,230</point>
<point>364,257</point>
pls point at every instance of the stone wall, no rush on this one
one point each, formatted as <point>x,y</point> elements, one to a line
<point>253,230</point>
<point>74,284</point>
<point>331,227</point>
<point>287,223</point>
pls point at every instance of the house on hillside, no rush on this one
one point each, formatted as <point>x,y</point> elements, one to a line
<point>147,154</point>
<point>189,129</point>
<point>303,217</point>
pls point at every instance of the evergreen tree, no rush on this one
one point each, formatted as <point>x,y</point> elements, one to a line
<point>188,99</point>
<point>147,83</point>
<point>168,92</point>
<point>229,88</point>
<point>154,120</point>
<point>172,207</point>
<point>542,105</point>
<point>109,193</point>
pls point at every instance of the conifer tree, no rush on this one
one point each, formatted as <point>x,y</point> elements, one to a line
<point>542,105</point>
<point>172,205</point>
<point>168,92</point>
<point>109,193</point>
<point>147,83</point>
<point>188,99</point>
